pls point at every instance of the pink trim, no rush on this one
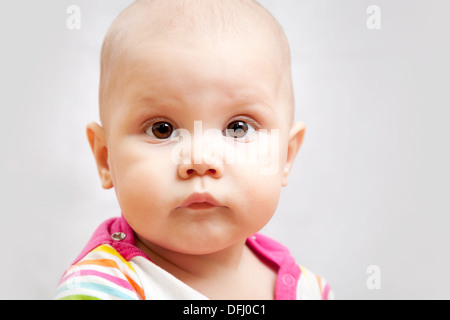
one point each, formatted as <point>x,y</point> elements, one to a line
<point>279,256</point>
<point>326,291</point>
<point>275,254</point>
<point>102,235</point>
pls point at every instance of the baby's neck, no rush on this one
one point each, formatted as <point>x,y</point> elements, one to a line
<point>197,266</point>
<point>232,273</point>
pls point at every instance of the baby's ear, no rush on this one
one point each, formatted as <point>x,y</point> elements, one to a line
<point>96,137</point>
<point>295,142</point>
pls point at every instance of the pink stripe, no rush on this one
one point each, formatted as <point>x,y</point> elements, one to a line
<point>326,290</point>
<point>120,282</point>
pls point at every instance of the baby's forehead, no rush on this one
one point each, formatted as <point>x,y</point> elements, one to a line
<point>216,21</point>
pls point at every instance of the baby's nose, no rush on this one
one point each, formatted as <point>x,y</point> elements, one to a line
<point>187,170</point>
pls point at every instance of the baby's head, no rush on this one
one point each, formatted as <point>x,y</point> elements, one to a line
<point>172,70</point>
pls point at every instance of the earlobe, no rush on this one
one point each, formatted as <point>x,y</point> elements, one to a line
<point>296,136</point>
<point>97,141</point>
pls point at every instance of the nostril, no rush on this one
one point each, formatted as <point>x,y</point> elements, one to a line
<point>191,171</point>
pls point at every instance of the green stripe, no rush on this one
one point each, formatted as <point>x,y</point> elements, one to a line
<point>79,297</point>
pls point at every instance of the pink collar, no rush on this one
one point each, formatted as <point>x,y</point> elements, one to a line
<point>117,233</point>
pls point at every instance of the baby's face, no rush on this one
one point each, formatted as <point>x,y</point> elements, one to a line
<point>173,89</point>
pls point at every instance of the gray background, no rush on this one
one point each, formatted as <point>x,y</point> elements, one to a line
<point>370,185</point>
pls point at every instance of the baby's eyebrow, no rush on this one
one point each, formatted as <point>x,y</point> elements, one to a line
<point>252,104</point>
<point>260,104</point>
<point>148,102</point>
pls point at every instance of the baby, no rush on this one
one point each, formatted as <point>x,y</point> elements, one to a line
<point>196,102</point>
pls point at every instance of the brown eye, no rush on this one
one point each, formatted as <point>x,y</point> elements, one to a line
<point>237,129</point>
<point>160,130</point>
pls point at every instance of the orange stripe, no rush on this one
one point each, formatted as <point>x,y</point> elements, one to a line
<point>112,264</point>
<point>320,286</point>
<point>136,287</point>
<point>99,262</point>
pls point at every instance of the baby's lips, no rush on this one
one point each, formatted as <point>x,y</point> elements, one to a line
<point>197,198</point>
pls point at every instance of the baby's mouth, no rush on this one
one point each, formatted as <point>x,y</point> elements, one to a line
<point>200,201</point>
<point>200,206</point>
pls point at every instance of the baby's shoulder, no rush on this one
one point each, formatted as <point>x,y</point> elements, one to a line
<point>102,274</point>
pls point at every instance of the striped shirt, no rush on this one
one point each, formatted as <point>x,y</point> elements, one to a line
<point>112,268</point>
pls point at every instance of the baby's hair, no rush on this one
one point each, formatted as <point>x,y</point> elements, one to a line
<point>152,19</point>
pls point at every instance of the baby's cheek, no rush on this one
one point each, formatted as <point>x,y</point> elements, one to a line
<point>140,185</point>
<point>260,192</point>
<point>267,193</point>
<point>270,149</point>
